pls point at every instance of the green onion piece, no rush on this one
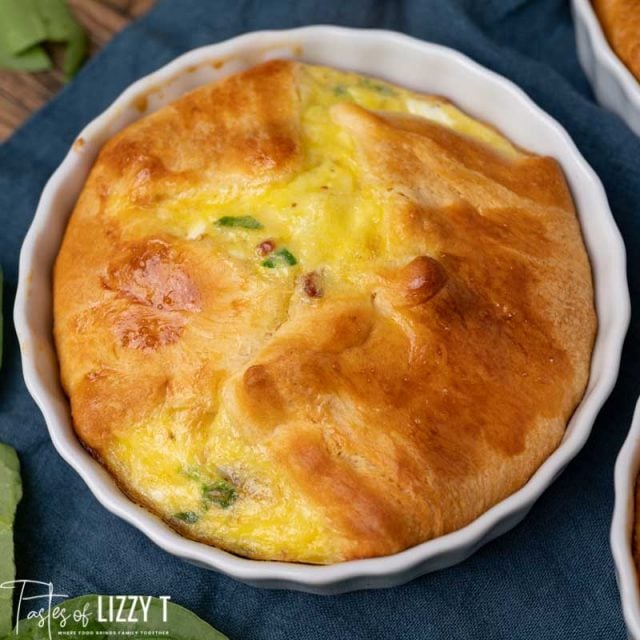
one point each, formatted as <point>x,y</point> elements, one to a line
<point>281,256</point>
<point>246,222</point>
<point>287,256</point>
<point>340,91</point>
<point>382,89</point>
<point>190,517</point>
<point>221,492</point>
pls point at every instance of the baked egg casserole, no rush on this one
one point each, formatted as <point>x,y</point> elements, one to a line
<point>620,21</point>
<point>307,315</point>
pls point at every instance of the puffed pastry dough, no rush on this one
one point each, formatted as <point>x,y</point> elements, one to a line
<point>307,315</point>
<point>620,20</point>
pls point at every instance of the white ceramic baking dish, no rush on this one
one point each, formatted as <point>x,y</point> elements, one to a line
<point>627,470</point>
<point>615,87</point>
<point>405,61</point>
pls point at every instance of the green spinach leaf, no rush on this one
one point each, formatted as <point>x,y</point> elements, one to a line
<point>10,494</point>
<point>246,222</point>
<point>27,24</point>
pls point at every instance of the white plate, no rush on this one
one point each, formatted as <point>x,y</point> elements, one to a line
<point>399,59</point>
<point>615,87</point>
<point>627,470</point>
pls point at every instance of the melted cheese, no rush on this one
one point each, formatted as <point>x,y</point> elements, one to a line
<point>327,216</point>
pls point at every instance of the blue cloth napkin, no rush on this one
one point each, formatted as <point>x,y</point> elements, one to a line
<point>551,577</point>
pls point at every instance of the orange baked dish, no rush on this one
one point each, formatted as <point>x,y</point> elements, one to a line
<point>620,20</point>
<point>307,315</point>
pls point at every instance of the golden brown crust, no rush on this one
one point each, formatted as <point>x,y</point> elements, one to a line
<point>400,410</point>
<point>620,20</point>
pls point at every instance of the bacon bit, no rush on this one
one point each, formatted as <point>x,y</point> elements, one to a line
<point>312,284</point>
<point>265,247</point>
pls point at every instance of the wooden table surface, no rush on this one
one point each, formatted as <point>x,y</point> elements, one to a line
<point>22,93</point>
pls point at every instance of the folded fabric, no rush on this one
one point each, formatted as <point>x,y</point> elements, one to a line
<point>552,577</point>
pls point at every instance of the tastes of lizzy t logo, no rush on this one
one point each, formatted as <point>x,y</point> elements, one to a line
<point>86,616</point>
